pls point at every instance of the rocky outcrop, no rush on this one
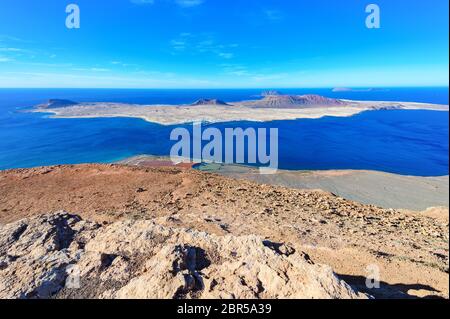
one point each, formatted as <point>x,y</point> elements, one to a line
<point>294,101</point>
<point>61,256</point>
<point>209,102</point>
<point>35,253</point>
<point>55,103</point>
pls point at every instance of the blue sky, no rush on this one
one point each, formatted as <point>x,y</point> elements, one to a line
<point>223,44</point>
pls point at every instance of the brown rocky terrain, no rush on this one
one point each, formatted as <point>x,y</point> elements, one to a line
<point>368,187</point>
<point>178,211</point>
<point>293,101</point>
<point>209,102</point>
<point>61,256</point>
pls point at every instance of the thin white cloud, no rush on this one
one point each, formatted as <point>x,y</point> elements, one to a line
<point>11,50</point>
<point>142,1</point>
<point>202,44</point>
<point>99,70</point>
<point>94,69</point>
<point>17,50</point>
<point>124,65</point>
<point>226,55</point>
<point>256,76</point>
<point>43,64</point>
<point>235,69</point>
<point>4,59</point>
<point>8,38</point>
<point>189,3</point>
<point>181,3</point>
<point>63,80</point>
<point>273,15</point>
<point>178,45</point>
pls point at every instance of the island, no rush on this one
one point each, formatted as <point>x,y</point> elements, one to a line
<point>273,106</point>
<point>56,103</point>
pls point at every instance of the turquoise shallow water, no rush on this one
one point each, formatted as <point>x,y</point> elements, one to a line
<point>404,142</point>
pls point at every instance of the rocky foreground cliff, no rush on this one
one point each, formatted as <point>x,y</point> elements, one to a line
<point>61,256</point>
<point>136,232</point>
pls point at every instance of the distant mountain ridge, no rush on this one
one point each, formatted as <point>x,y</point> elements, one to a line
<point>209,102</point>
<point>271,92</point>
<point>294,101</point>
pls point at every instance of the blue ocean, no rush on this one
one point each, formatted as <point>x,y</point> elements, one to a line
<point>397,141</point>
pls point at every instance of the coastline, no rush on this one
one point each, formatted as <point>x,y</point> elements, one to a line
<point>368,187</point>
<point>238,111</point>
<point>133,202</point>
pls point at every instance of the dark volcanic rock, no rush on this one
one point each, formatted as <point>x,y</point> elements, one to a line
<point>295,101</point>
<point>209,102</point>
<point>54,103</point>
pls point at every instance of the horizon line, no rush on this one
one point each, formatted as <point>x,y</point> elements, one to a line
<point>226,88</point>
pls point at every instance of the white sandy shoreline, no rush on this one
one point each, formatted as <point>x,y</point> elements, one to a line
<point>180,114</point>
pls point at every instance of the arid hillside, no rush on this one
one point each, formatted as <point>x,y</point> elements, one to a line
<point>409,249</point>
